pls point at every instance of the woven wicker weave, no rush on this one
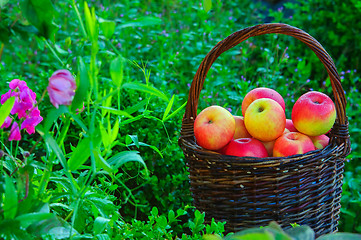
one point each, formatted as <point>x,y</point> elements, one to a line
<point>248,192</point>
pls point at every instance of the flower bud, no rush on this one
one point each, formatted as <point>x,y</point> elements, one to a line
<point>61,88</point>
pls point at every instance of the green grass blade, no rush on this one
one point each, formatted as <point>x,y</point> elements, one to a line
<point>168,108</point>
<point>141,22</point>
<point>175,112</point>
<point>117,112</point>
<point>146,89</point>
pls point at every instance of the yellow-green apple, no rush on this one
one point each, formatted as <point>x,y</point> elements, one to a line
<point>292,143</point>
<point>314,113</point>
<point>243,147</point>
<point>241,130</point>
<point>265,119</point>
<point>214,127</point>
<point>290,126</point>
<point>261,92</point>
<point>320,141</point>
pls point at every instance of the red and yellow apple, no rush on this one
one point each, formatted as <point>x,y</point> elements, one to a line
<point>269,147</point>
<point>320,141</point>
<point>265,119</point>
<point>314,113</point>
<point>241,130</point>
<point>214,127</point>
<point>290,126</point>
<point>292,143</point>
<point>243,147</point>
<point>261,92</point>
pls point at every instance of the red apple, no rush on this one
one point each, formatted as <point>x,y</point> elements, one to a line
<point>214,127</point>
<point>265,119</point>
<point>241,130</point>
<point>290,126</point>
<point>261,92</point>
<point>243,147</point>
<point>320,141</point>
<point>314,113</point>
<point>292,143</point>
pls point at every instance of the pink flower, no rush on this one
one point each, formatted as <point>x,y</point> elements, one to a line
<point>24,107</point>
<point>7,122</point>
<point>61,88</point>
<point>16,83</point>
<point>32,120</point>
<point>24,102</point>
<point>15,132</point>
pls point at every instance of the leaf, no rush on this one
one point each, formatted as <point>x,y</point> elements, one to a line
<point>147,89</point>
<point>115,130</point>
<point>140,105</point>
<point>168,108</point>
<point>53,116</point>
<point>99,225</point>
<point>83,85</point>
<point>3,3</point>
<point>108,27</point>
<point>253,236</point>
<point>80,154</point>
<point>90,22</point>
<point>175,112</point>
<point>40,13</point>
<point>29,218</point>
<point>141,22</point>
<point>117,112</point>
<point>116,70</point>
<point>207,5</point>
<point>134,139</point>
<point>126,156</point>
<point>101,162</point>
<point>301,233</point>
<point>211,237</point>
<point>340,236</point>
<point>5,109</point>
<point>104,134</point>
<point>50,141</point>
<point>11,199</point>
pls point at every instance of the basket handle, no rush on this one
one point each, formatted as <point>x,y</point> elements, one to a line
<point>261,29</point>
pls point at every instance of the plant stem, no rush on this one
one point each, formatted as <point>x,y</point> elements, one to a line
<point>53,51</point>
<point>80,19</point>
<point>1,50</point>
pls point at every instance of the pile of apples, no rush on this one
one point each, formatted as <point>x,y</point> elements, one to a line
<point>264,130</point>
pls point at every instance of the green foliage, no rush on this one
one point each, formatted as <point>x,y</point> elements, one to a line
<point>108,166</point>
<point>274,232</point>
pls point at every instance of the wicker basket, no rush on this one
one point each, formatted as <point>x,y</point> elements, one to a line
<point>248,192</point>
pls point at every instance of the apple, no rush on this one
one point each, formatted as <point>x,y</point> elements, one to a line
<point>265,119</point>
<point>269,147</point>
<point>314,113</point>
<point>292,143</point>
<point>261,92</point>
<point>320,141</point>
<point>214,127</point>
<point>243,147</point>
<point>241,130</point>
<point>290,126</point>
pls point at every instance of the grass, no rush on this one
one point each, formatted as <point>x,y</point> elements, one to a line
<point>155,50</point>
